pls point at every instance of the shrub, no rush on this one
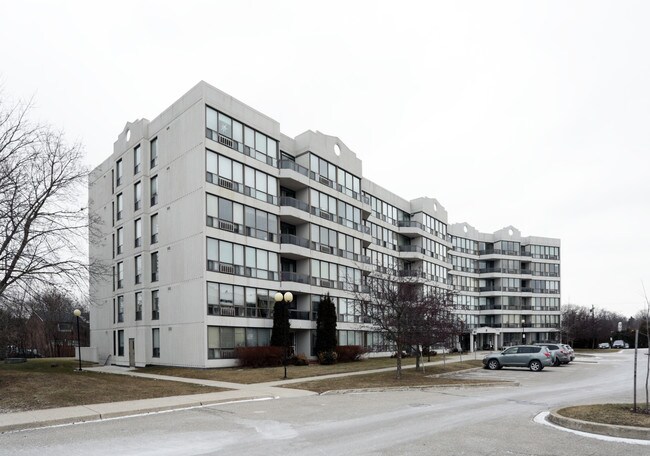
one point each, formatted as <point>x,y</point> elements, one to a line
<point>259,356</point>
<point>300,360</point>
<point>349,353</point>
<point>328,357</point>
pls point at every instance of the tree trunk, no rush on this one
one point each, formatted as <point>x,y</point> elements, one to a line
<point>398,375</point>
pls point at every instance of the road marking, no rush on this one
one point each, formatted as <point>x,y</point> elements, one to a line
<point>541,419</point>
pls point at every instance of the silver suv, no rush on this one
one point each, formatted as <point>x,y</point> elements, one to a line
<point>534,357</point>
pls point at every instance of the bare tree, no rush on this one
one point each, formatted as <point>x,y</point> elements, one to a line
<point>42,227</point>
<point>400,309</point>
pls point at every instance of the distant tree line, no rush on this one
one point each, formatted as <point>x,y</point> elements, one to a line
<point>586,327</point>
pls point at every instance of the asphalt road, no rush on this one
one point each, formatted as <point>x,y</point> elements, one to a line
<point>443,421</point>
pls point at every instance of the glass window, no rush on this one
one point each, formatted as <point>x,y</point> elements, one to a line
<point>153,146</point>
<point>225,125</point>
<point>260,142</point>
<point>155,342</point>
<point>225,167</point>
<point>154,228</point>
<point>138,232</point>
<point>249,137</point>
<point>137,159</point>
<point>225,252</point>
<point>237,131</point>
<point>211,119</point>
<point>155,311</point>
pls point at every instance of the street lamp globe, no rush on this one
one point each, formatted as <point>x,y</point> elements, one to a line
<point>288,296</point>
<point>278,297</point>
<point>77,313</point>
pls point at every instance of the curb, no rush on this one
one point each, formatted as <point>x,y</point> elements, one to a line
<point>421,388</point>
<point>627,432</point>
<point>23,421</point>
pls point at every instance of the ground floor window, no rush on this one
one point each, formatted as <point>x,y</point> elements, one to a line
<point>155,342</point>
<point>120,342</point>
<point>222,341</point>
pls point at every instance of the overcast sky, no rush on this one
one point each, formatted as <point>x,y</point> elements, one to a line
<point>530,114</point>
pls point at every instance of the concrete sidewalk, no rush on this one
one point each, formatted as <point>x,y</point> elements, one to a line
<point>236,392</point>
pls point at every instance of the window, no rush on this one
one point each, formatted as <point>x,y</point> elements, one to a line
<point>120,342</point>
<point>118,173</point>
<point>120,240</point>
<point>153,187</point>
<point>154,228</point>
<point>137,229</point>
<point>120,309</point>
<point>222,341</point>
<point>120,207</point>
<point>155,309</point>
<point>228,258</point>
<point>237,301</point>
<point>154,153</point>
<point>137,159</point>
<point>154,267</point>
<point>237,136</point>
<point>235,176</point>
<point>155,342</point>
<point>138,269</point>
<point>137,196</point>
<point>231,216</point>
<point>138,305</point>
<point>120,275</point>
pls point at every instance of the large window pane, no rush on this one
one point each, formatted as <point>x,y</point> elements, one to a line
<point>211,119</point>
<point>225,167</point>
<point>225,252</point>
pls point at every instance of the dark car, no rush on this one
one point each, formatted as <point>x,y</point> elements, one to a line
<point>534,357</point>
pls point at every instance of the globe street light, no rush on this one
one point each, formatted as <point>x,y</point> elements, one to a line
<point>523,331</point>
<point>287,298</point>
<point>77,313</point>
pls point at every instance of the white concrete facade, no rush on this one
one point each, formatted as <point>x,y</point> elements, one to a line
<point>232,211</point>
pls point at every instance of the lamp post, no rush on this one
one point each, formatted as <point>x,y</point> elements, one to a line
<point>77,313</point>
<point>523,331</point>
<point>287,298</point>
<point>462,324</point>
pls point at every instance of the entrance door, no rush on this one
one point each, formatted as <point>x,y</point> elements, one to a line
<point>131,352</point>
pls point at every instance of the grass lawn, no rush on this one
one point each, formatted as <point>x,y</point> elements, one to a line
<point>620,414</point>
<point>52,382</point>
<point>270,374</point>
<point>410,378</point>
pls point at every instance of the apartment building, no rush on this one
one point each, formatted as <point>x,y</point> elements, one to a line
<point>207,211</point>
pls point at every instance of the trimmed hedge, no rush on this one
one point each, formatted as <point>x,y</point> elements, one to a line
<point>259,356</point>
<point>349,353</point>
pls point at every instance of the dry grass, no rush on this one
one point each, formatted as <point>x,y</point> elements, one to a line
<point>410,378</point>
<point>619,414</point>
<point>48,383</point>
<point>270,374</point>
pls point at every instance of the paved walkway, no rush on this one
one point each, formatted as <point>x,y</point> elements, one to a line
<point>235,392</point>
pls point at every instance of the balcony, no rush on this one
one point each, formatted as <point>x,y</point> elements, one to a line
<point>293,202</point>
<point>286,276</point>
<point>295,240</point>
<point>290,164</point>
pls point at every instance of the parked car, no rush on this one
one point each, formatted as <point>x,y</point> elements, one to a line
<point>603,345</point>
<point>534,357</point>
<point>559,355</point>
<point>618,344</point>
<point>569,349</point>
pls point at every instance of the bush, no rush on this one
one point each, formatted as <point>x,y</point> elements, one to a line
<point>259,356</point>
<point>327,358</point>
<point>349,353</point>
<point>300,360</point>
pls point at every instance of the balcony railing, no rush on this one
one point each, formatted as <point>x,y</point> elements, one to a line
<point>293,202</point>
<point>295,240</point>
<point>290,164</point>
<point>294,277</point>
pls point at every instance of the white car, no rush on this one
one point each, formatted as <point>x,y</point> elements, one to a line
<point>603,345</point>
<point>618,344</point>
